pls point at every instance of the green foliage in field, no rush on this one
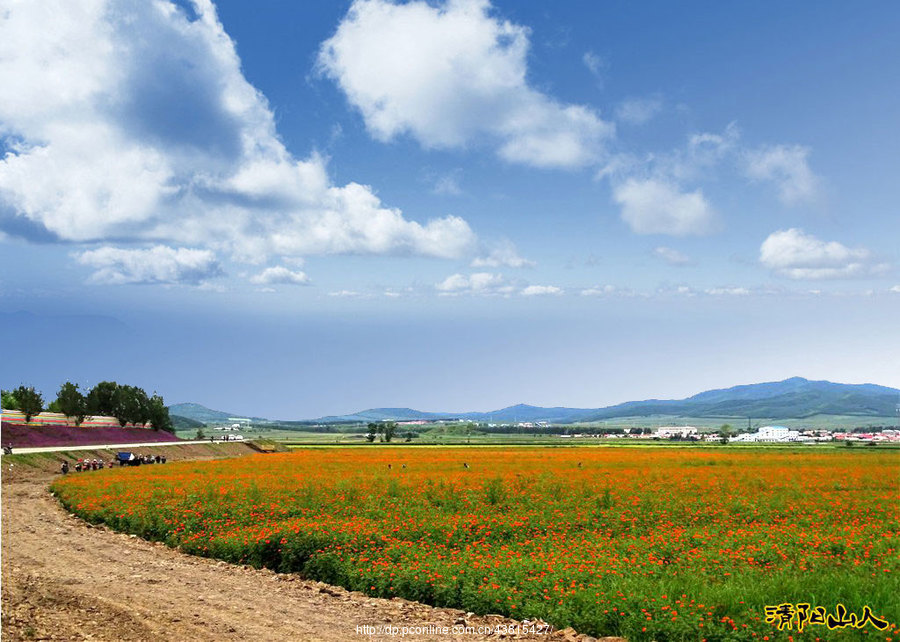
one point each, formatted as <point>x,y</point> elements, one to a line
<point>650,544</point>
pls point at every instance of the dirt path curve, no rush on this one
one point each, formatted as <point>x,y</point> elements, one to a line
<point>66,580</point>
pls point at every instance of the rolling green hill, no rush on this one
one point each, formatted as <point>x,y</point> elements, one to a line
<point>793,398</point>
<point>203,414</point>
<point>185,423</point>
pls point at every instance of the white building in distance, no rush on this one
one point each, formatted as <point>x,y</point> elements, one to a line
<point>667,432</point>
<point>770,434</point>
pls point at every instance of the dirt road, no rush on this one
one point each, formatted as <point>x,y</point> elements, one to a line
<point>66,580</point>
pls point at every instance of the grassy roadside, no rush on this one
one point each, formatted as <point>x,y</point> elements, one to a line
<point>20,466</point>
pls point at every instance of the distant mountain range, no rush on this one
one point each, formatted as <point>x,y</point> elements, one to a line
<point>793,398</point>
<point>203,414</point>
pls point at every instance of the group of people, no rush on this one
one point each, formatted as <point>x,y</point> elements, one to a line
<point>138,460</point>
<point>99,464</point>
<point>85,464</point>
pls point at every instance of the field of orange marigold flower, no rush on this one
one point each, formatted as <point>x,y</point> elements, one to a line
<point>647,543</point>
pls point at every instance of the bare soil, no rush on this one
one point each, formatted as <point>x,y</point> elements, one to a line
<point>64,579</point>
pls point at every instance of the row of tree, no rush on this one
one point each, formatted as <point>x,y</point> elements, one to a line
<point>385,429</point>
<point>128,404</point>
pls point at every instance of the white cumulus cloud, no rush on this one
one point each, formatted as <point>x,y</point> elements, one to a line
<point>797,255</point>
<point>450,74</point>
<point>281,275</point>
<point>155,265</point>
<point>541,290</point>
<point>131,121</point>
<point>653,206</point>
<point>484,283</point>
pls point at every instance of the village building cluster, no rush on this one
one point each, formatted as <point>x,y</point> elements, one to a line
<point>764,434</point>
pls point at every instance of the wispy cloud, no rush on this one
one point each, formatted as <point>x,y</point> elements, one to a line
<point>672,257</point>
<point>447,184</point>
<point>503,254</point>
<point>637,111</point>
<point>597,65</point>
<point>787,166</point>
<point>728,291</point>
<point>652,189</point>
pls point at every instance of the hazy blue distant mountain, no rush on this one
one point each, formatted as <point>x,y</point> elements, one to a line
<point>201,413</point>
<point>382,414</point>
<point>792,398</point>
<point>523,412</point>
<point>788,386</point>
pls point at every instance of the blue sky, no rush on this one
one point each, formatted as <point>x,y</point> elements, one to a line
<point>297,209</point>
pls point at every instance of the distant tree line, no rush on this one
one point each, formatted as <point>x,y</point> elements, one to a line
<point>385,429</point>
<point>128,404</point>
<point>512,429</point>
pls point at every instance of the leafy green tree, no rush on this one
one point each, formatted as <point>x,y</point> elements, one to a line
<point>387,430</point>
<point>8,400</point>
<point>726,432</point>
<point>30,401</point>
<point>158,415</point>
<point>131,405</point>
<point>101,400</point>
<point>70,402</point>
